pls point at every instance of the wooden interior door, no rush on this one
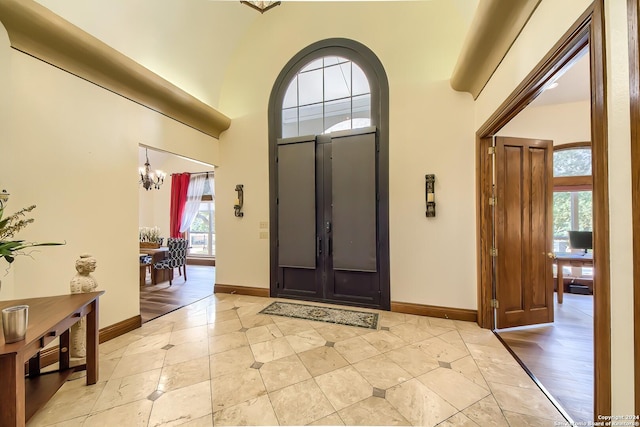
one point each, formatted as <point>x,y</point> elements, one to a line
<point>523,231</point>
<point>328,222</point>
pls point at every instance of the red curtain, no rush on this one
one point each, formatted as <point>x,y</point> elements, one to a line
<point>179,187</point>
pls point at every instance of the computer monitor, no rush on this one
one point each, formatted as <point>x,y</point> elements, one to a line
<point>581,240</point>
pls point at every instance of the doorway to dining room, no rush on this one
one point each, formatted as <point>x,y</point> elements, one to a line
<point>163,291</point>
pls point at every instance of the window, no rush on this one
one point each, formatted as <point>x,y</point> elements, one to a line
<point>572,197</point>
<point>327,94</point>
<point>202,235</point>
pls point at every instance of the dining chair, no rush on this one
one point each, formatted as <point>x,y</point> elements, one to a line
<point>176,257</point>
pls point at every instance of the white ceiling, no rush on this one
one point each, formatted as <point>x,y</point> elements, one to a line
<point>573,85</point>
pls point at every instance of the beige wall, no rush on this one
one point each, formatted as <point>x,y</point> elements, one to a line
<point>432,259</point>
<point>546,26</point>
<point>71,148</point>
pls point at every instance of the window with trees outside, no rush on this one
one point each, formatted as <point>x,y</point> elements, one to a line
<point>572,195</point>
<point>202,235</point>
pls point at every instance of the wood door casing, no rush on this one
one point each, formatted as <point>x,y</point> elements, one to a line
<point>524,192</point>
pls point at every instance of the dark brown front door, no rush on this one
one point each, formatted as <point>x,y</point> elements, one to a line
<point>523,231</point>
<point>328,219</point>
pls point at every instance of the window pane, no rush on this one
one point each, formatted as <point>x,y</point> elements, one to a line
<point>336,112</point>
<point>291,96</point>
<point>313,65</point>
<point>202,234</point>
<point>290,122</point>
<point>571,211</point>
<point>337,82</point>
<point>310,87</point>
<point>585,210</point>
<point>573,162</point>
<point>362,108</point>
<point>360,82</point>
<point>311,120</point>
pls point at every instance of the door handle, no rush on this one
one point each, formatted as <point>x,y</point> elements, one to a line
<point>551,255</point>
<point>318,246</point>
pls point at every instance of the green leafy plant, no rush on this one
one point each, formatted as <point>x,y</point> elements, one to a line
<point>9,227</point>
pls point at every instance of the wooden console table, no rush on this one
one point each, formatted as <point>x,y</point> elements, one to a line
<point>49,317</point>
<point>575,260</point>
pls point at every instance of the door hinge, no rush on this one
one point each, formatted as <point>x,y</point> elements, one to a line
<point>491,150</point>
<point>492,201</point>
<point>493,252</point>
<point>494,303</point>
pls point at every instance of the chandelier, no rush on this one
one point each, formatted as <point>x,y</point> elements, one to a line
<point>261,6</point>
<point>150,179</point>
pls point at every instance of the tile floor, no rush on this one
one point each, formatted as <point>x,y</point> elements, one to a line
<point>219,362</point>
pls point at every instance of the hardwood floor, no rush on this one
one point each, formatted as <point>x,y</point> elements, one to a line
<point>162,298</point>
<point>560,355</point>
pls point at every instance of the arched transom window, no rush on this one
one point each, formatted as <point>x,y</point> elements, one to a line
<point>328,94</point>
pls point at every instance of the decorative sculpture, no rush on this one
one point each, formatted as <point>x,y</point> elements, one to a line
<point>82,282</point>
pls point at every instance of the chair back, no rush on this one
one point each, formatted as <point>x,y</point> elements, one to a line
<point>177,252</point>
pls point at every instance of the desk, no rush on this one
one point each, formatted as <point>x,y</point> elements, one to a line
<point>49,317</point>
<point>574,260</point>
<point>160,275</point>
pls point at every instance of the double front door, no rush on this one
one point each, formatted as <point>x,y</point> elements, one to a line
<point>328,219</point>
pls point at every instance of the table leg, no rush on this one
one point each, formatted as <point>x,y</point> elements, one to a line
<point>65,350</point>
<point>92,343</point>
<point>560,281</point>
<point>12,393</point>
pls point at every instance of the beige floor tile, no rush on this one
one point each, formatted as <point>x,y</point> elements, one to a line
<point>138,363</point>
<point>263,333</point>
<point>230,361</point>
<point>198,333</point>
<point>225,342</point>
<point>182,405</point>
<point>413,360</point>
<point>206,421</point>
<point>381,372</point>
<point>251,309</point>
<point>253,412</point>
<point>76,422</point>
<point>292,326</point>
<point>441,350</point>
<point>184,374</point>
<point>344,387</point>
<point>388,319</point>
<point>187,351</point>
<point>224,327</point>
<point>373,411</point>
<point>300,404</point>
<point>505,374</point>
<point>486,412</point>
<point>437,322</point>
<point>493,354</point>
<point>306,340</point>
<point>525,401</point>
<point>148,343</point>
<point>127,389</point>
<point>68,404</point>
<point>458,420</point>
<point>132,414</point>
<point>256,320</point>
<point>523,420</point>
<point>355,349</point>
<point>330,420</point>
<point>214,316</point>
<point>454,338</point>
<point>467,367</point>
<point>237,387</point>
<point>411,333</point>
<point>453,387</point>
<point>480,336</point>
<point>271,350</point>
<point>419,404</point>
<point>384,341</point>
<point>321,360</point>
<point>337,333</point>
<point>190,321</point>
<point>119,343</point>
<point>283,372</point>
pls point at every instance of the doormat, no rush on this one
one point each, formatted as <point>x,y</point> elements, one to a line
<point>323,314</point>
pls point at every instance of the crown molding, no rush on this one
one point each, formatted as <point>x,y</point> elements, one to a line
<point>38,32</point>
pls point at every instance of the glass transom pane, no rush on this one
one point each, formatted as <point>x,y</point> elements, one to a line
<point>572,162</point>
<point>320,98</point>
